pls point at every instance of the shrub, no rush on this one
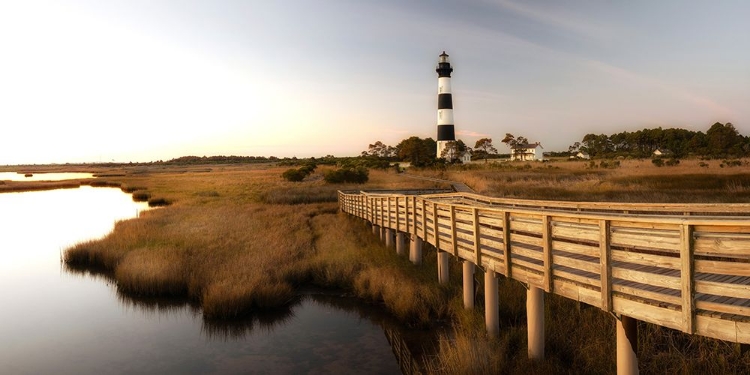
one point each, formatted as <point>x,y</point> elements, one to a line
<point>308,168</point>
<point>733,163</point>
<point>294,175</point>
<point>672,162</point>
<point>297,175</point>
<point>358,175</point>
<point>658,162</point>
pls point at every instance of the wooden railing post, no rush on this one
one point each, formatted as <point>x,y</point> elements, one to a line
<point>414,215</point>
<point>506,243</point>
<point>477,245</point>
<point>547,254</point>
<point>435,225</point>
<point>604,260</point>
<point>382,215</point>
<point>406,212</point>
<point>390,224</point>
<point>398,217</point>
<point>454,243</point>
<point>424,220</point>
<point>686,274</point>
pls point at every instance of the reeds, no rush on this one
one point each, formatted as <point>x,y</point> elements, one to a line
<point>17,187</point>
<point>237,241</point>
<point>141,196</point>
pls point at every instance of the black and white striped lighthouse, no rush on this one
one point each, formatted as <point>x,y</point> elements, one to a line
<point>445,130</point>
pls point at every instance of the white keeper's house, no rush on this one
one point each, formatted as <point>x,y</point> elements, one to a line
<point>528,152</point>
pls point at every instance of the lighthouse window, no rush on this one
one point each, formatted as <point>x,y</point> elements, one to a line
<point>440,90</point>
<point>440,115</point>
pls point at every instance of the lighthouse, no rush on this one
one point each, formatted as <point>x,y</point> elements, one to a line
<point>445,132</point>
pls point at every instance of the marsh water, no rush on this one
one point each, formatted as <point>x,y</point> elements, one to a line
<point>13,176</point>
<point>55,321</point>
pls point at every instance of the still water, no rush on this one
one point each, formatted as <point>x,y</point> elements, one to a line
<point>13,176</point>
<point>53,321</point>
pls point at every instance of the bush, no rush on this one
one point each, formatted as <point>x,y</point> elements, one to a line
<point>308,168</point>
<point>294,175</point>
<point>297,175</point>
<point>358,175</point>
<point>672,162</point>
<point>658,162</point>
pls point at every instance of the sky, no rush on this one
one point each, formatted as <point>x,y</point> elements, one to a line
<point>147,80</point>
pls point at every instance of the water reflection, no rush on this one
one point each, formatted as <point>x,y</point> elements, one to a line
<point>82,324</point>
<point>238,329</point>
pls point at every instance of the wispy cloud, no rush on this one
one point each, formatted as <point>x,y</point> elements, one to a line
<point>472,133</point>
<point>631,77</point>
<point>563,21</point>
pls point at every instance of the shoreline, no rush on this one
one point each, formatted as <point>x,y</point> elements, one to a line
<point>217,265</point>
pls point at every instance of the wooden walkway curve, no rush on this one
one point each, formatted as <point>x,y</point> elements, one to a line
<point>683,266</point>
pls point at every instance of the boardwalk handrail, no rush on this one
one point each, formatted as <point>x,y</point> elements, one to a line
<point>683,266</point>
<point>734,209</point>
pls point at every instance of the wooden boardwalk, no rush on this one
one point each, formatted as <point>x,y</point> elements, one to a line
<point>683,266</point>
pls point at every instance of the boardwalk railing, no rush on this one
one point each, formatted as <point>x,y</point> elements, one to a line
<point>683,266</point>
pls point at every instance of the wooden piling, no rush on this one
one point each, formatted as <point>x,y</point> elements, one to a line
<point>491,307</point>
<point>468,274</point>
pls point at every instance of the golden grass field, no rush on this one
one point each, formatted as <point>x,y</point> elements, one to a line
<point>238,238</point>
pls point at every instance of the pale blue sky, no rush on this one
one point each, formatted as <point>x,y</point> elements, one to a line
<point>86,81</point>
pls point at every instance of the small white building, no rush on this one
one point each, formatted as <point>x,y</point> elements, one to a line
<point>662,152</point>
<point>465,157</point>
<point>528,152</point>
<point>583,155</point>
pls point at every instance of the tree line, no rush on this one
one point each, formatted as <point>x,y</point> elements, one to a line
<point>720,141</point>
<point>422,152</point>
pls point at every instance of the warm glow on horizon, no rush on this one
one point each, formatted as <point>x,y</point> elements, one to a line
<point>86,81</point>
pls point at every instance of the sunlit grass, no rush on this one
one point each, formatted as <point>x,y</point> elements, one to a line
<point>239,239</point>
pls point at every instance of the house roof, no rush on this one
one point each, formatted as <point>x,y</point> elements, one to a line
<point>530,145</point>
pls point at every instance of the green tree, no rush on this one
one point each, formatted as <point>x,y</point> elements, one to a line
<point>419,152</point>
<point>380,150</point>
<point>484,148</point>
<point>515,143</point>
<point>454,150</point>
<point>724,140</point>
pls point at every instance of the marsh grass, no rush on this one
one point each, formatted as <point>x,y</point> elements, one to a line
<point>236,241</point>
<point>141,196</point>
<point>634,181</point>
<point>21,186</point>
<point>350,257</point>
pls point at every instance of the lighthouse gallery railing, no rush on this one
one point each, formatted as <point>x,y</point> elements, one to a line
<point>683,266</point>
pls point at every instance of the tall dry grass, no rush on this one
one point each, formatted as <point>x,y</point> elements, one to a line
<point>236,241</point>
<point>633,181</point>
<point>240,240</point>
<point>347,255</point>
